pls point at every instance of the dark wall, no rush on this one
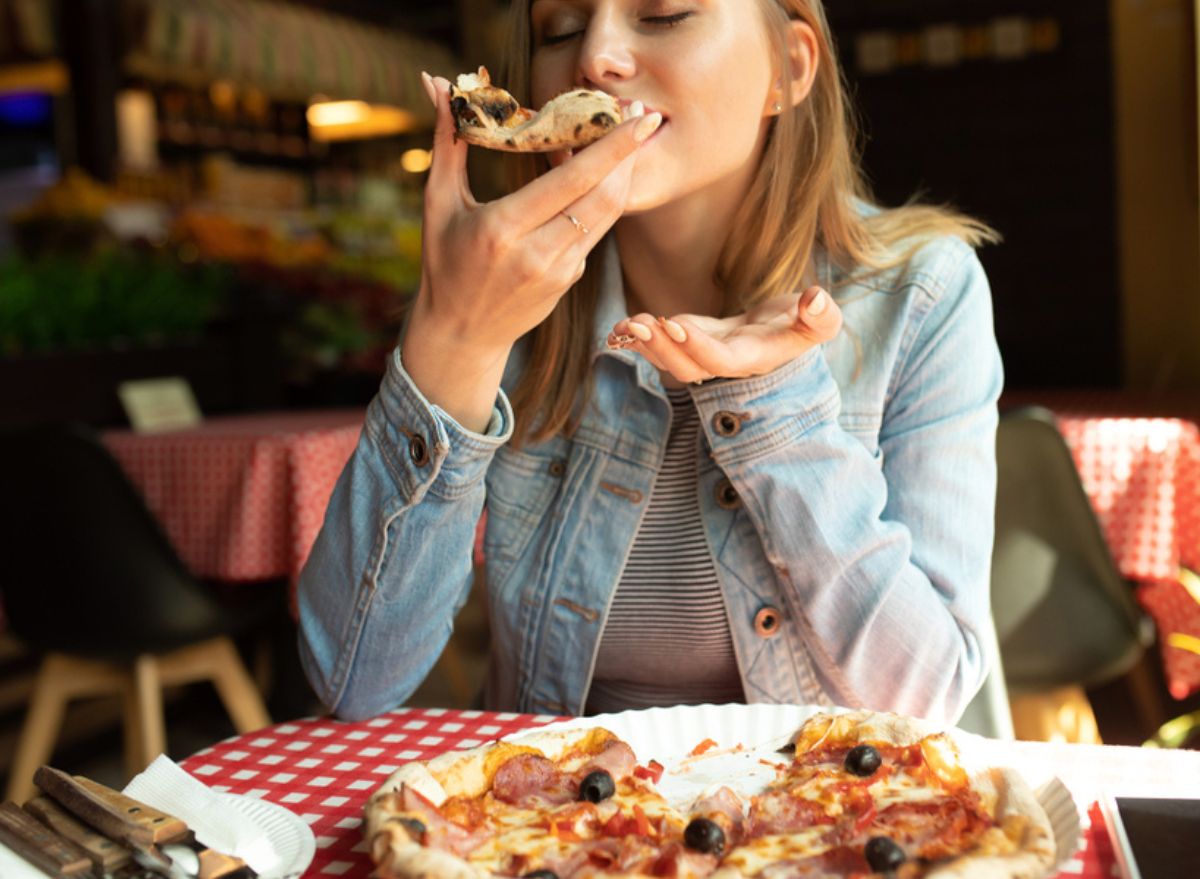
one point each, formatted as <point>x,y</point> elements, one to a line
<point>1022,136</point>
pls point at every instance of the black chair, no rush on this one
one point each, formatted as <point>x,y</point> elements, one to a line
<point>89,581</point>
<point>1066,619</point>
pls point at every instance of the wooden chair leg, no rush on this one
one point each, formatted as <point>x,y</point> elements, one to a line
<point>40,730</point>
<point>217,660</point>
<point>131,726</point>
<point>234,685</point>
<point>146,713</point>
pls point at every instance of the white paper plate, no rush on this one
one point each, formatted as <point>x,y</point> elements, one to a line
<point>747,735</point>
<point>288,834</point>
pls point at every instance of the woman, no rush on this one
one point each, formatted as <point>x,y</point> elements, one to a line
<point>700,485</point>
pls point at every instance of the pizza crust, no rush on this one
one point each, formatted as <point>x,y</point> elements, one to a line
<point>1018,812</point>
<point>398,856</point>
<point>863,726</point>
<point>490,117</point>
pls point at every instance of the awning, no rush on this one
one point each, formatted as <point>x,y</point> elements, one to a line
<point>289,53</point>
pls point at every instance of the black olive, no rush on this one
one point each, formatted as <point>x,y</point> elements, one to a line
<point>540,874</point>
<point>597,786</point>
<point>883,854</point>
<point>704,835</point>
<point>414,827</point>
<point>863,760</point>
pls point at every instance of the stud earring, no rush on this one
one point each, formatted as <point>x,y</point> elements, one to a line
<point>778,108</point>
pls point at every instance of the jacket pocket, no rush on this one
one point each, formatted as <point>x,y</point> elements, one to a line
<point>521,487</point>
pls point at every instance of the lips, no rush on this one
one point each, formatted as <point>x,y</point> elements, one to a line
<point>632,108</point>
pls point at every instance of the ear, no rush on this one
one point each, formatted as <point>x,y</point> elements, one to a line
<point>802,61</point>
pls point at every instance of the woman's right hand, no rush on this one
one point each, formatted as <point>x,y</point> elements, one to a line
<point>492,272</point>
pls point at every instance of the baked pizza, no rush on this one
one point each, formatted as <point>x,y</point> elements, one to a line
<point>857,794</point>
<point>490,117</point>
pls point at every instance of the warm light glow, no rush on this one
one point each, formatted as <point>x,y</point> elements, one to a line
<point>223,95</point>
<point>338,113</point>
<point>416,161</point>
<point>356,120</point>
<point>41,76</point>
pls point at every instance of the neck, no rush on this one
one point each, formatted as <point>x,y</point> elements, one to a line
<point>668,260</point>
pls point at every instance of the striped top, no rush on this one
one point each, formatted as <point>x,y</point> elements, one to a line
<point>666,640</point>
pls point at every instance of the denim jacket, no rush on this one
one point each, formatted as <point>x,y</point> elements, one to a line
<point>847,499</point>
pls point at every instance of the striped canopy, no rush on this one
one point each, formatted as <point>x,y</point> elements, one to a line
<point>287,52</point>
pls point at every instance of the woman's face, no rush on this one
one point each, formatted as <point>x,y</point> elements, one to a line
<point>703,64</point>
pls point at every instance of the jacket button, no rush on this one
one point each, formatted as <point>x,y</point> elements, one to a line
<point>726,495</point>
<point>766,622</point>
<point>727,423</point>
<point>557,467</point>
<point>418,450</point>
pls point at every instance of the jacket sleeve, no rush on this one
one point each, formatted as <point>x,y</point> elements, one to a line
<point>392,563</point>
<point>883,558</point>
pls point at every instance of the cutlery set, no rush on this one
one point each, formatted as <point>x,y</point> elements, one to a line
<point>79,829</point>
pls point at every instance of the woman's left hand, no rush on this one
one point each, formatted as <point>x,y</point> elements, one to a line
<point>694,348</point>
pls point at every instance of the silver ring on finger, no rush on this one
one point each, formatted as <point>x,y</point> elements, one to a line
<point>583,230</point>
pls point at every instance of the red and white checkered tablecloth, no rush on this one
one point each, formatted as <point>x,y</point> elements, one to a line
<point>324,770</point>
<point>1143,478</point>
<point>241,497</point>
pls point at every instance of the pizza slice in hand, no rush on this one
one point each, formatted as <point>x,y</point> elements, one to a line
<point>490,117</point>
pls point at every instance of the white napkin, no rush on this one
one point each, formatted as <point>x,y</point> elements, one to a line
<point>167,787</point>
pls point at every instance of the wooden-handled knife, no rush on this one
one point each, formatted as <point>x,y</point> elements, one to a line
<point>157,840</point>
<point>41,846</point>
<point>107,857</point>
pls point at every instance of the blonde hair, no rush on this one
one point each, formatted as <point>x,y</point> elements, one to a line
<point>808,189</point>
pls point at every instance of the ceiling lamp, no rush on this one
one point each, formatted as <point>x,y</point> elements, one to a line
<point>357,120</point>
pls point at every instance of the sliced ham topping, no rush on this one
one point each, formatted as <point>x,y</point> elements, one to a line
<point>933,829</point>
<point>440,832</point>
<point>780,812</point>
<point>679,862</point>
<point>724,807</point>
<point>837,862</point>
<point>529,779</point>
<point>616,757</point>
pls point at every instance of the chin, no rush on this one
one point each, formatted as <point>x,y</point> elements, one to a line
<point>647,190</point>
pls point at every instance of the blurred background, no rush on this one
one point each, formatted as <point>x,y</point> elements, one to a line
<point>263,163</point>
<point>228,192</point>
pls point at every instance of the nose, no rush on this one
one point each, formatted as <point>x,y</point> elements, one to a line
<point>606,53</point>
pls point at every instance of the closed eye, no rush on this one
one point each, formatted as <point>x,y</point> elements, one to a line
<point>550,40</point>
<point>666,20</point>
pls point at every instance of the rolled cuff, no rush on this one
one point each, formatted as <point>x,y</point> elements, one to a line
<point>427,449</point>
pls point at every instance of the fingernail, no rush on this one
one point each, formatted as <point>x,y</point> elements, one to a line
<point>646,126</point>
<point>641,331</point>
<point>637,108</point>
<point>818,303</point>
<point>430,88</point>
<point>674,330</point>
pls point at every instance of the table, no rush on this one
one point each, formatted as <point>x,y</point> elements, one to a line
<point>324,770</point>
<point>1139,462</point>
<point>241,497</point>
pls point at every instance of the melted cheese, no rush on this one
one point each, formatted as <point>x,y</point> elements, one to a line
<point>758,854</point>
